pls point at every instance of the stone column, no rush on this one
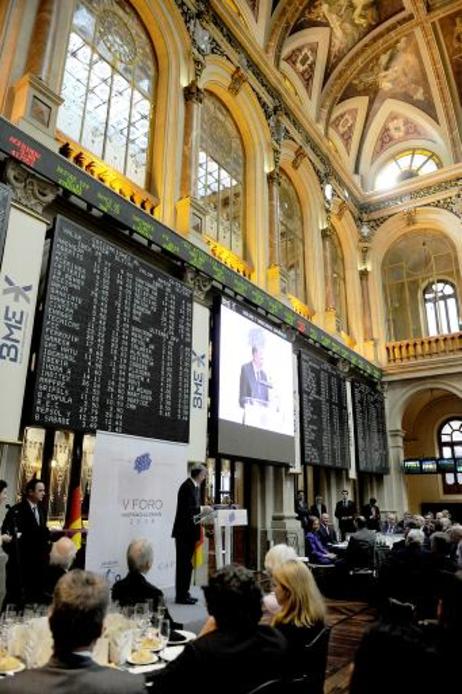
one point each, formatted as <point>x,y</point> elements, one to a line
<point>35,104</point>
<point>326,234</point>
<point>276,274</point>
<point>395,493</point>
<point>367,318</point>
<point>190,213</point>
<point>285,526</point>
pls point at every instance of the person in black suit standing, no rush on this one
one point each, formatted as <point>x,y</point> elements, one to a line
<point>301,509</point>
<point>29,550</point>
<point>371,513</point>
<point>345,512</point>
<point>80,602</point>
<point>186,532</point>
<point>318,508</point>
<point>254,385</point>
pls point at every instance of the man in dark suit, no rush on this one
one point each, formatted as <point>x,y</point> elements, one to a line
<point>28,552</point>
<point>371,513</point>
<point>360,549</point>
<point>318,508</point>
<point>254,385</point>
<point>301,509</point>
<point>186,532</point>
<point>235,651</point>
<point>76,620</point>
<point>326,531</point>
<point>135,588</point>
<point>345,512</point>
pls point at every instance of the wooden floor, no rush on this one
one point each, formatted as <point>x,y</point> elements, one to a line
<point>348,621</point>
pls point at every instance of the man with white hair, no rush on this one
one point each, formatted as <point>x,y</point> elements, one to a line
<point>62,557</point>
<point>135,588</point>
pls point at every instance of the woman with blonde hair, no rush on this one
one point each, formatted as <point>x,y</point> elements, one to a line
<point>274,558</point>
<point>302,613</point>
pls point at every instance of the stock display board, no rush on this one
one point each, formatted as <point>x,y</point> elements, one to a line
<point>115,349</point>
<point>323,413</point>
<point>370,428</point>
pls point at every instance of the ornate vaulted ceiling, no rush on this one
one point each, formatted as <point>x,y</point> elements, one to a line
<point>375,76</point>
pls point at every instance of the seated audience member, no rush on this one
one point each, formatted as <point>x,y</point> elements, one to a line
<point>440,553</point>
<point>455,536</point>
<point>393,656</point>
<point>390,525</point>
<point>326,531</point>
<point>402,523</point>
<point>403,573</point>
<point>371,513</point>
<point>316,551</point>
<point>302,614</point>
<point>446,513</point>
<point>443,525</point>
<point>275,557</point>
<point>62,557</point>
<point>76,620</point>
<point>236,653</point>
<point>360,549</point>
<point>135,588</point>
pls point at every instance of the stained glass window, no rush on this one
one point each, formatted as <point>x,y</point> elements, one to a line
<point>221,175</point>
<point>291,237</point>
<point>109,85</point>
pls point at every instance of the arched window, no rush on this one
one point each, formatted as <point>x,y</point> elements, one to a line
<point>450,446</point>
<point>108,85</point>
<point>441,308</point>
<point>339,282</point>
<point>291,237</point>
<point>221,175</point>
<point>405,165</point>
<point>419,302</point>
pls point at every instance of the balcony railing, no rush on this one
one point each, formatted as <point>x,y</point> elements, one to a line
<point>418,348</point>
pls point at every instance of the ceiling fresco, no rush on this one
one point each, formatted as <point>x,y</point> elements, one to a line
<point>451,31</point>
<point>303,61</point>
<point>397,73</point>
<point>344,126</point>
<point>349,21</point>
<point>398,128</point>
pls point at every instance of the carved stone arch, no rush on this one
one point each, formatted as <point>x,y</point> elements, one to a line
<point>398,399</point>
<point>281,23</point>
<point>253,127</point>
<point>428,135</point>
<point>172,46</point>
<point>309,191</point>
<point>347,232</point>
<point>427,218</point>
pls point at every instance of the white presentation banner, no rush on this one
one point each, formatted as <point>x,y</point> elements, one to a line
<point>351,430</point>
<point>297,467</point>
<point>19,279</point>
<point>134,490</point>
<point>199,384</point>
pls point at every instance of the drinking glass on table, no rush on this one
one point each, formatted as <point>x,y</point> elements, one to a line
<point>164,632</point>
<point>141,615</point>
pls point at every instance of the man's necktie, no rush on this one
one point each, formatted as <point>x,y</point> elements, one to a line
<point>36,514</point>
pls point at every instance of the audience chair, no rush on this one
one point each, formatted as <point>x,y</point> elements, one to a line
<point>314,665</point>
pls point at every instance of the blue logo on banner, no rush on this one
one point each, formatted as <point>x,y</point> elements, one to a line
<point>142,463</point>
<point>232,517</point>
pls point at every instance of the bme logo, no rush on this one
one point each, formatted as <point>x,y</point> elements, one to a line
<point>14,319</point>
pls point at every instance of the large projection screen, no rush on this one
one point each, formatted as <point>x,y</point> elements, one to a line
<point>255,387</point>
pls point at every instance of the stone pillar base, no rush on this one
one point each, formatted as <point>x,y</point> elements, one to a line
<point>35,109</point>
<point>287,529</point>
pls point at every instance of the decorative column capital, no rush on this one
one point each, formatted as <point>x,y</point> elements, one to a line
<point>193,93</point>
<point>274,177</point>
<point>200,284</point>
<point>326,232</point>
<point>28,189</point>
<point>238,78</point>
<point>299,156</point>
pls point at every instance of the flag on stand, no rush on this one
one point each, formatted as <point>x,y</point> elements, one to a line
<point>198,556</point>
<point>75,516</point>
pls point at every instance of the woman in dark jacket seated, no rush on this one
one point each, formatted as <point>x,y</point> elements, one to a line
<point>302,614</point>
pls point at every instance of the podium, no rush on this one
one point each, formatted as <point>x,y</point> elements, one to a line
<point>224,520</point>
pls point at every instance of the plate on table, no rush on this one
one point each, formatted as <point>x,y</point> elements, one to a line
<point>185,637</point>
<point>151,643</point>
<point>171,653</point>
<point>9,665</point>
<point>143,657</point>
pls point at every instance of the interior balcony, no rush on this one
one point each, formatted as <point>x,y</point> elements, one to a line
<point>422,355</point>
